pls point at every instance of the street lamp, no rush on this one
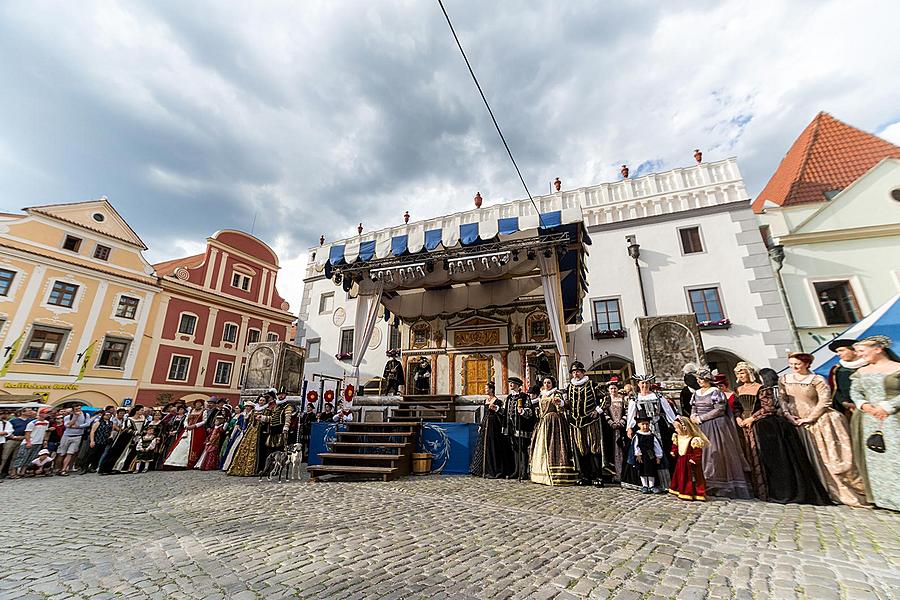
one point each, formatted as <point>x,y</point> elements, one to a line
<point>776,253</point>
<point>634,251</point>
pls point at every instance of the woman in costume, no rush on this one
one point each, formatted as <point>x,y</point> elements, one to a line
<point>169,430</point>
<point>661,415</point>
<point>723,463</point>
<point>824,431</point>
<point>615,415</point>
<point>552,461</point>
<point>492,457</point>
<point>245,457</point>
<point>687,448</point>
<point>746,405</point>
<point>122,452</point>
<point>876,393</point>
<point>209,460</point>
<point>233,440</point>
<point>787,473</point>
<point>187,450</point>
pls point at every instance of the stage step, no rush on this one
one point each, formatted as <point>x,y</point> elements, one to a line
<point>385,473</point>
<point>353,453</point>
<point>378,434</point>
<point>369,444</point>
<point>360,456</point>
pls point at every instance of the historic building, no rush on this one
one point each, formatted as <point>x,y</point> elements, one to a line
<point>642,274</point>
<point>831,217</point>
<point>76,303</point>
<point>211,306</point>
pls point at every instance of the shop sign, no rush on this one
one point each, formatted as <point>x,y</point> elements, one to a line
<point>25,385</point>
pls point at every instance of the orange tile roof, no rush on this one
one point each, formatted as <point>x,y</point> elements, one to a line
<point>168,267</point>
<point>828,155</point>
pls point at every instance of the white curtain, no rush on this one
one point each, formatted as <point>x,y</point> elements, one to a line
<point>553,299</point>
<point>368,304</point>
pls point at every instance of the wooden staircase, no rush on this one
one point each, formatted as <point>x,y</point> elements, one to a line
<point>438,408</point>
<point>370,449</point>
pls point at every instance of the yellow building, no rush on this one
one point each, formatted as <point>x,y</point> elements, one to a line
<point>76,295</point>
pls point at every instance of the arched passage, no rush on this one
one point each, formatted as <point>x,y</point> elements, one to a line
<point>609,366</point>
<point>723,361</point>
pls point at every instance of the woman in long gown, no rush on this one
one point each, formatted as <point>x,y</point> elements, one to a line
<point>745,406</point>
<point>662,416</point>
<point>247,453</point>
<point>492,457</point>
<point>209,460</point>
<point>824,431</point>
<point>170,431</point>
<point>615,413</point>
<point>192,440</point>
<point>876,393</point>
<point>552,461</point>
<point>723,463</point>
<point>789,476</point>
<point>229,448</point>
<point>122,452</point>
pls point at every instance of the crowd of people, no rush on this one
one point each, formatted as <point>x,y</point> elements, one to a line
<point>207,435</point>
<point>791,439</point>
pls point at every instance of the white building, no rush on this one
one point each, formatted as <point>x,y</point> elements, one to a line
<point>700,251</point>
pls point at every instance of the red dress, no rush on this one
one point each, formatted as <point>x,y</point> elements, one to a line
<point>687,479</point>
<point>210,460</point>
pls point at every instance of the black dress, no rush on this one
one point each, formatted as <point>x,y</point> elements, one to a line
<point>492,457</point>
<point>790,478</point>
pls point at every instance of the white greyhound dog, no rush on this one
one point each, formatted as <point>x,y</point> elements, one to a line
<point>294,461</point>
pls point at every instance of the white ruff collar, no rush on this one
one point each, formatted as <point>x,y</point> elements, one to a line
<point>581,381</point>
<point>545,393</point>
<point>853,364</point>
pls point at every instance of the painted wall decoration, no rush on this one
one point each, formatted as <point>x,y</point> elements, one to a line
<point>476,338</point>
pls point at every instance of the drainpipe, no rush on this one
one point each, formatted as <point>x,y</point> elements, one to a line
<point>776,253</point>
<point>634,251</point>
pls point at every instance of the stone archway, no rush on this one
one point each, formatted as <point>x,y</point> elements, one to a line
<point>723,361</point>
<point>609,366</point>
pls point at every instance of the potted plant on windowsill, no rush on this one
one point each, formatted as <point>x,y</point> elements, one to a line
<point>720,324</point>
<point>609,334</point>
<point>344,355</point>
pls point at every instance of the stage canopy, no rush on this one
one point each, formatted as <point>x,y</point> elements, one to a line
<point>478,259</point>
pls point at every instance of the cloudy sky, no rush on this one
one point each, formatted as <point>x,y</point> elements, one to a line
<point>309,117</point>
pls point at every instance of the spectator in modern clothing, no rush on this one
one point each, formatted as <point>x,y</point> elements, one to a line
<point>6,429</point>
<point>11,445</point>
<point>35,441</point>
<point>42,465</point>
<point>54,434</point>
<point>75,424</point>
<point>98,438</point>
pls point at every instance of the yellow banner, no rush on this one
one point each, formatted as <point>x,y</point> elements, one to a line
<point>13,350</point>
<point>85,359</point>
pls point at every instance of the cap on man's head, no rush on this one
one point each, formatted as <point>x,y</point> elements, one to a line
<point>834,345</point>
<point>577,366</point>
<point>43,452</point>
<point>515,380</point>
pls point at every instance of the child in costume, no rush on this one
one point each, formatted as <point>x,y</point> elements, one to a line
<point>209,460</point>
<point>648,454</point>
<point>146,450</point>
<point>687,446</point>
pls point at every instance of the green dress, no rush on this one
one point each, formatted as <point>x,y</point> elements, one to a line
<point>882,469</point>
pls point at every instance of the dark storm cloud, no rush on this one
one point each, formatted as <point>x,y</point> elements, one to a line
<point>307,118</point>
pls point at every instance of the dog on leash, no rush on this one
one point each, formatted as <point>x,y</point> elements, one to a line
<point>275,466</point>
<point>294,463</point>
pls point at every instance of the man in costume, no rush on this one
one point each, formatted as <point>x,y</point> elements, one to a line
<point>423,376</point>
<point>584,408</point>
<point>393,376</point>
<point>309,417</point>
<point>519,426</point>
<point>839,376</point>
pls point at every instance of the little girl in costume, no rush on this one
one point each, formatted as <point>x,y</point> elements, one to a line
<point>687,445</point>
<point>146,450</point>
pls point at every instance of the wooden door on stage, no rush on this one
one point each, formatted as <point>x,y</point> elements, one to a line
<point>478,373</point>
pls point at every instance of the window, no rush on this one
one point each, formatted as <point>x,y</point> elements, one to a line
<point>178,368</point>
<point>326,303</point>
<point>102,252</point>
<point>113,353</point>
<point>72,243</point>
<point>62,294</point>
<point>271,337</point>
<point>127,308</point>
<point>230,333</point>
<point>187,324</point>
<point>252,336</point>
<point>395,342</point>
<point>223,373</point>
<point>313,349</point>
<point>44,345</point>
<point>6,279</point>
<point>346,342</point>
<point>239,280</point>
<point>839,306</point>
<point>607,316</point>
<point>99,217</point>
<point>706,304</point>
<point>690,240</point>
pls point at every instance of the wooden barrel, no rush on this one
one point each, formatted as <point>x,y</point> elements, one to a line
<point>421,463</point>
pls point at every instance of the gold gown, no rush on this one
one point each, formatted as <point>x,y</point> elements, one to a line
<point>552,461</point>
<point>244,463</point>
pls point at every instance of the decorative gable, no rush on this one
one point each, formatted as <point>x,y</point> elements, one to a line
<point>477,322</point>
<point>98,216</point>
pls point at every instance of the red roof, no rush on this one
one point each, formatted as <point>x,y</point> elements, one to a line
<point>168,267</point>
<point>828,155</point>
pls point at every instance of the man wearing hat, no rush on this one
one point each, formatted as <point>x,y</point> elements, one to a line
<point>519,426</point>
<point>839,376</point>
<point>584,407</point>
<point>392,376</point>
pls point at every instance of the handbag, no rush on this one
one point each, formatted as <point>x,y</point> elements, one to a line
<point>875,442</point>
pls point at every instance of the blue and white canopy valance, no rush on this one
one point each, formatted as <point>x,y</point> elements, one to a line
<point>449,231</point>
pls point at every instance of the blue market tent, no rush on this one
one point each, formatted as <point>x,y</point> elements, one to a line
<point>885,320</point>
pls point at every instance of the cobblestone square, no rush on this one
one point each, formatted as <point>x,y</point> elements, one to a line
<point>209,536</point>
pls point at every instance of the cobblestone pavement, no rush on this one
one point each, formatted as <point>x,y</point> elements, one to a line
<point>205,535</point>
